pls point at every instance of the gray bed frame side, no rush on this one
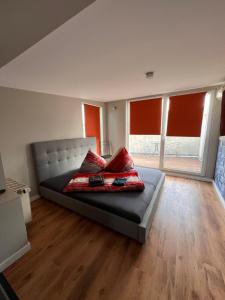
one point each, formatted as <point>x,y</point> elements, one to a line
<point>129,228</point>
<point>56,157</point>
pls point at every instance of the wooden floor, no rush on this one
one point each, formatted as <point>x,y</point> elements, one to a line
<point>74,258</point>
<point>188,164</point>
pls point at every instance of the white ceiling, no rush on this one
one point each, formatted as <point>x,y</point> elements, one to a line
<point>103,52</point>
<point>20,26</point>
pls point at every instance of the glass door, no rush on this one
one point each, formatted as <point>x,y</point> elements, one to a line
<point>187,118</point>
<point>169,132</point>
<point>145,132</point>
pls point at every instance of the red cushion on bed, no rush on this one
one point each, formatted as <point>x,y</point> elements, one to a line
<point>93,163</point>
<point>80,182</point>
<point>120,162</point>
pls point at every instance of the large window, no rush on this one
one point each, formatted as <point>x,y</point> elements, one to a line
<point>169,132</point>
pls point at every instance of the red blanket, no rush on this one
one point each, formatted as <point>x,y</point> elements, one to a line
<point>80,182</point>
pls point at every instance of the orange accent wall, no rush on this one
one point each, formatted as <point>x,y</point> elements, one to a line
<point>185,115</point>
<point>92,124</point>
<point>145,116</point>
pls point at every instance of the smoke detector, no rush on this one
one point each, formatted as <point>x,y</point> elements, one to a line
<point>149,75</point>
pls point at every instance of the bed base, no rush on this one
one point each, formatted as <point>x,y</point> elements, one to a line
<point>129,228</point>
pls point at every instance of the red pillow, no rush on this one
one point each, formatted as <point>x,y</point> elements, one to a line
<point>93,163</point>
<point>120,162</point>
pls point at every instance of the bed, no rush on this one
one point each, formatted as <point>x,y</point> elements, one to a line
<point>130,213</point>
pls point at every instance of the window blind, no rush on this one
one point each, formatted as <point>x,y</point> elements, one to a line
<point>145,117</point>
<point>92,124</point>
<point>185,115</point>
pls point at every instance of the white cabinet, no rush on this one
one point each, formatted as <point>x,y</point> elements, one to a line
<point>13,235</point>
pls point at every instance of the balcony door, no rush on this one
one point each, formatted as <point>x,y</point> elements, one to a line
<point>185,133</point>
<point>145,132</point>
<point>169,132</point>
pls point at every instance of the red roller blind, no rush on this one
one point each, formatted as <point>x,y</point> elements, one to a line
<point>185,115</point>
<point>92,124</point>
<point>222,122</point>
<point>145,116</point>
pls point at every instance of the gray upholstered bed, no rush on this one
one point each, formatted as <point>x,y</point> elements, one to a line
<point>129,213</point>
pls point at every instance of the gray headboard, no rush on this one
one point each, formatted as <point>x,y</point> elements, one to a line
<point>53,158</point>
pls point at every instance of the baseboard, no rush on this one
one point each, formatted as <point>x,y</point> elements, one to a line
<point>35,197</point>
<point>10,260</point>
<point>219,194</point>
<point>188,176</point>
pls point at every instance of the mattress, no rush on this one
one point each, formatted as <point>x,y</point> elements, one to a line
<point>129,205</point>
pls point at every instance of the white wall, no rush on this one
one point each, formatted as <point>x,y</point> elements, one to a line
<point>116,114</point>
<point>26,117</point>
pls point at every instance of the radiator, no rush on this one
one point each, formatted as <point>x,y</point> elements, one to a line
<point>24,192</point>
